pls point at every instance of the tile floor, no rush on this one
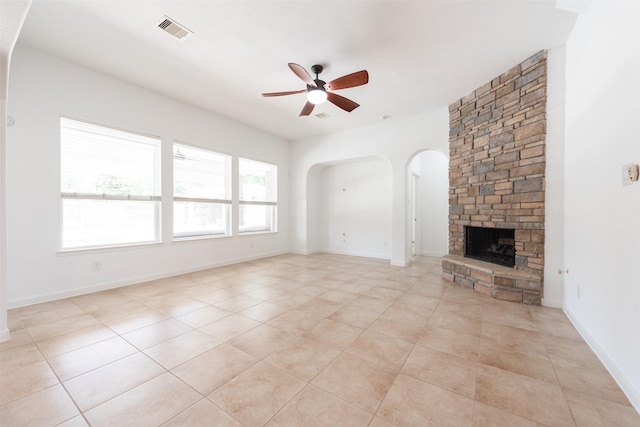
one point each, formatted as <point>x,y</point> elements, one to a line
<point>321,340</point>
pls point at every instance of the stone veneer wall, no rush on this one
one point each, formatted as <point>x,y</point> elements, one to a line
<point>497,170</point>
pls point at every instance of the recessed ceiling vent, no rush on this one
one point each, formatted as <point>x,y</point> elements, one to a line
<point>173,28</point>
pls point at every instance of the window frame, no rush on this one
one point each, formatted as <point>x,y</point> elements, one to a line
<point>265,203</point>
<point>155,142</point>
<point>228,231</point>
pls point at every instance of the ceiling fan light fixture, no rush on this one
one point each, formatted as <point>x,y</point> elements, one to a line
<point>317,96</point>
<point>317,89</point>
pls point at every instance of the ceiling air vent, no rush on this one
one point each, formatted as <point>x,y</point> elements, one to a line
<point>323,116</point>
<point>173,28</point>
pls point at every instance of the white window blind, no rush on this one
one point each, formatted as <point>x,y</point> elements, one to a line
<point>201,192</point>
<point>258,196</point>
<point>110,186</point>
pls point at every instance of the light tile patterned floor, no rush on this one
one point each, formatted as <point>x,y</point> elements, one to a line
<point>321,340</point>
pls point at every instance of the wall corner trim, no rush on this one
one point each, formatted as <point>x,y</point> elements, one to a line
<point>400,263</point>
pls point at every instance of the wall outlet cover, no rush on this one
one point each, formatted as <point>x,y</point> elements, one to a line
<point>629,174</point>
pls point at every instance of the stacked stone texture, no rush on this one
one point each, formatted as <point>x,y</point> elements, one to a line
<point>497,166</point>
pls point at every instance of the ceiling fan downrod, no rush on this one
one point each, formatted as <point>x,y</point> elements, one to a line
<point>317,69</point>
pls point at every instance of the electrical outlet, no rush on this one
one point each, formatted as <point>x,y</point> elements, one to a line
<point>629,174</point>
<point>96,266</point>
<point>578,290</point>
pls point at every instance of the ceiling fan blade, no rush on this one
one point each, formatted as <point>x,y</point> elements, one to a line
<point>350,80</point>
<point>302,73</point>
<point>292,92</point>
<point>307,109</point>
<point>342,102</point>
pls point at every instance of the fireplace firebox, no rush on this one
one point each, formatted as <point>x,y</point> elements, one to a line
<point>494,245</point>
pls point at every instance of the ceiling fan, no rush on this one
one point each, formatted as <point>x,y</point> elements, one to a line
<point>319,91</point>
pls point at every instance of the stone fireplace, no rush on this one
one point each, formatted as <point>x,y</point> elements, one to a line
<point>497,185</point>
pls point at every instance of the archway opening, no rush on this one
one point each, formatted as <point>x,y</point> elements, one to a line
<point>427,201</point>
<point>349,207</point>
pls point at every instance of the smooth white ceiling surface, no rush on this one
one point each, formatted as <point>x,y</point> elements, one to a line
<point>420,55</point>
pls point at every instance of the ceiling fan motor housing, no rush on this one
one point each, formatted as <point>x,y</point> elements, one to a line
<point>320,85</point>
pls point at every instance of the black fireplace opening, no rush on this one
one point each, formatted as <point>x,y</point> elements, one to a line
<point>494,245</point>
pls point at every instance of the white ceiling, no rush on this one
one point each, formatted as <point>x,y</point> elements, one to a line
<point>420,55</point>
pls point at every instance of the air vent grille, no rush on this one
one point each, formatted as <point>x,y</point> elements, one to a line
<point>173,28</point>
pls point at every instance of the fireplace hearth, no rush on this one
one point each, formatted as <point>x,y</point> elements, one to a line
<point>494,245</point>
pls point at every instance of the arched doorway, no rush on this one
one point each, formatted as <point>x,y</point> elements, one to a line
<point>427,195</point>
<point>349,207</point>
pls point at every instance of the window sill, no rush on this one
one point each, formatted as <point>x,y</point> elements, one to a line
<point>96,249</point>
<point>253,233</point>
<point>200,238</point>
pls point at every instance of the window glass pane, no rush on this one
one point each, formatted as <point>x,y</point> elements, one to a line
<point>258,181</point>
<point>258,198</point>
<point>192,219</point>
<point>257,218</point>
<point>203,177</point>
<point>100,160</point>
<point>88,223</point>
<point>200,173</point>
<point>100,169</point>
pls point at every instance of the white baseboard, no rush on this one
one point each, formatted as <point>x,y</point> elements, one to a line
<point>354,253</point>
<point>627,386</point>
<point>5,335</point>
<point>131,281</point>
<point>305,252</point>
<point>434,254</point>
<point>547,302</point>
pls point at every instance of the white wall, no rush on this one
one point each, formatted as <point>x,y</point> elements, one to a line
<point>397,141</point>
<point>602,218</point>
<point>355,208</point>
<point>11,21</point>
<point>434,203</point>
<point>42,88</point>
<point>554,176</point>
<point>4,72</point>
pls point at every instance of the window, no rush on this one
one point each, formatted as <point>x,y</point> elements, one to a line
<point>110,186</point>
<point>201,192</point>
<point>258,198</point>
